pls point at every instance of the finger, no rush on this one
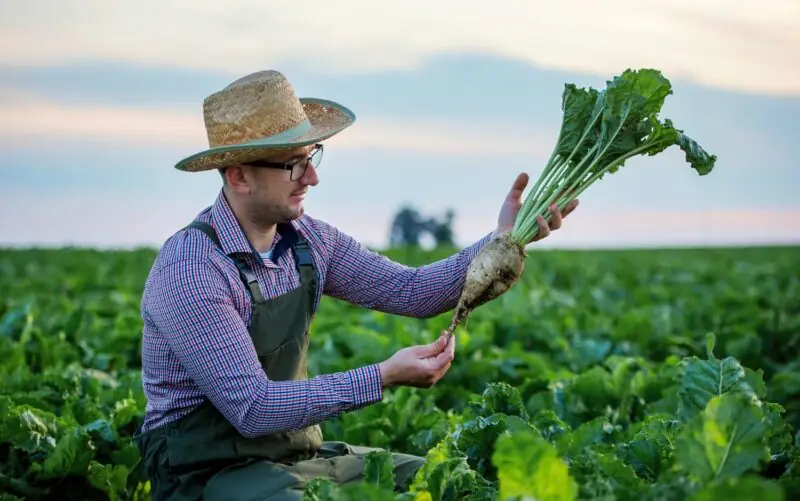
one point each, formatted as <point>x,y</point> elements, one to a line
<point>556,221</point>
<point>518,187</point>
<point>444,358</point>
<point>570,207</point>
<point>450,350</point>
<point>442,372</point>
<point>442,363</point>
<point>435,348</point>
<point>544,229</point>
<point>446,355</point>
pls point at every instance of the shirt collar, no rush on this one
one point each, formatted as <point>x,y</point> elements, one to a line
<point>230,232</point>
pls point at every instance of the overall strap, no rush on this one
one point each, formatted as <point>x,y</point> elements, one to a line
<point>291,238</point>
<point>207,229</point>
<point>247,275</point>
<point>302,253</point>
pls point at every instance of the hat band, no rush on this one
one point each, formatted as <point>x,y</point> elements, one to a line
<point>287,135</point>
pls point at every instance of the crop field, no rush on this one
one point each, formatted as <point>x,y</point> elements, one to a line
<point>614,375</point>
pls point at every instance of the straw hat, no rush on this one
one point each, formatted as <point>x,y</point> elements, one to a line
<point>258,115</point>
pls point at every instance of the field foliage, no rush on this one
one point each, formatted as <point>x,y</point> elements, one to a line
<point>635,375</point>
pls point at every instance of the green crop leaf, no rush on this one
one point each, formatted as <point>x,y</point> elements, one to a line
<point>727,439</point>
<point>636,94</point>
<point>10,497</point>
<point>632,101</point>
<point>446,475</point>
<point>747,488</point>
<point>17,321</point>
<point>71,456</point>
<point>581,108</point>
<point>28,428</point>
<point>550,425</point>
<point>481,493</point>
<point>320,489</point>
<point>127,455</point>
<point>103,430</point>
<point>601,474</point>
<point>500,398</point>
<point>587,434</point>
<point>379,469</point>
<point>476,440</point>
<point>125,412</point>
<point>529,468</point>
<point>700,159</point>
<point>324,490</point>
<point>110,479</point>
<point>450,479</point>
<point>704,379</point>
<point>649,452</point>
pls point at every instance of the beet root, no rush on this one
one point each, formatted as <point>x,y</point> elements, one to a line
<point>493,271</point>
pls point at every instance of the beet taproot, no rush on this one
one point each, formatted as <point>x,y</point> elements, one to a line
<point>493,271</point>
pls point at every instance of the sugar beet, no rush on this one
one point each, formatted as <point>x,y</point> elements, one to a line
<point>493,271</point>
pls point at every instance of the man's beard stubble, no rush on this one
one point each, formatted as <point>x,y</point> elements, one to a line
<point>265,214</point>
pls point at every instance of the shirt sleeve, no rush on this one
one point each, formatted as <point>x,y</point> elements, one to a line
<point>192,308</point>
<point>371,280</point>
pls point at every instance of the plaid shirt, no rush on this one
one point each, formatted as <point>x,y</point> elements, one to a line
<point>196,312</point>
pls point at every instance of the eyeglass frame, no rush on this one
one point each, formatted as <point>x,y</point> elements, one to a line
<point>317,150</point>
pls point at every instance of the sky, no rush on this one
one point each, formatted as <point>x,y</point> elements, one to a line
<point>99,100</point>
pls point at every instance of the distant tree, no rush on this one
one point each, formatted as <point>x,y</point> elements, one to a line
<point>442,231</point>
<point>408,225</point>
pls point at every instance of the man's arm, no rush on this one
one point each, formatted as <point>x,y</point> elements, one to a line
<point>191,307</point>
<point>371,280</point>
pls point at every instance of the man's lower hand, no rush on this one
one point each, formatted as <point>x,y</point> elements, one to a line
<point>419,366</point>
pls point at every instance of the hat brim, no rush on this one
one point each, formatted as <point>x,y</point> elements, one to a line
<point>326,119</point>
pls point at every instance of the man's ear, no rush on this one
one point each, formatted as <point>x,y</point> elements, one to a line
<point>239,178</point>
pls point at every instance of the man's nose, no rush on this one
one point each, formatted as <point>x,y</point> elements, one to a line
<point>310,176</point>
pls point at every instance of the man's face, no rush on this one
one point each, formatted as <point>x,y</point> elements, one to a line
<point>274,195</point>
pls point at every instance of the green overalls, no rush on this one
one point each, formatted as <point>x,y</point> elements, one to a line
<point>202,456</point>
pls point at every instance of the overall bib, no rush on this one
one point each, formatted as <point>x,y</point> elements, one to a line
<point>202,456</point>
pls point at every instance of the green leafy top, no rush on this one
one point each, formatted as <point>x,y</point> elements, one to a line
<point>600,131</point>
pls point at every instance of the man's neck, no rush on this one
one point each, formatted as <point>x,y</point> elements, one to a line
<point>259,234</point>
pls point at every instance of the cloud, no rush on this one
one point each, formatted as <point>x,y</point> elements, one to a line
<point>729,44</point>
<point>449,137</point>
<point>26,119</point>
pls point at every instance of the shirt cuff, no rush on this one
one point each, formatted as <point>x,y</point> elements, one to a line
<point>367,386</point>
<point>469,253</point>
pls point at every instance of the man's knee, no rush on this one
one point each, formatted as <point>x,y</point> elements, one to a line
<point>262,480</point>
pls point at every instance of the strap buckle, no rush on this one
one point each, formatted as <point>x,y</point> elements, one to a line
<point>303,254</point>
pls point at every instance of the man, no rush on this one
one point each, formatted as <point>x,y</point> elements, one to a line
<point>231,412</point>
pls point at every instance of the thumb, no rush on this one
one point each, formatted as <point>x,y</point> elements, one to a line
<point>434,348</point>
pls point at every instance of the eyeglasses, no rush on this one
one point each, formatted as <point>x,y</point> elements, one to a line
<point>297,167</point>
